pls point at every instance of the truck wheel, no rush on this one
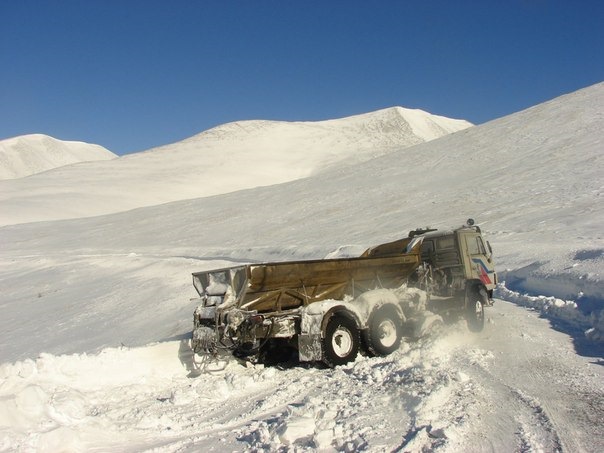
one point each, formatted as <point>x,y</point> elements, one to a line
<point>475,311</point>
<point>341,342</point>
<point>385,331</point>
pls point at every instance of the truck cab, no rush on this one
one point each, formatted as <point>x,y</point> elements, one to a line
<point>457,270</point>
<point>461,270</point>
<point>459,258</point>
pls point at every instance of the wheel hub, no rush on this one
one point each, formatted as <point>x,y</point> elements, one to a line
<point>387,333</point>
<point>478,309</point>
<point>342,341</point>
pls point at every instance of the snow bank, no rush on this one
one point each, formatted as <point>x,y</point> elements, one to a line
<point>556,309</point>
<point>56,395</point>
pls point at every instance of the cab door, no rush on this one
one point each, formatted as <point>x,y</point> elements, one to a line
<point>480,265</point>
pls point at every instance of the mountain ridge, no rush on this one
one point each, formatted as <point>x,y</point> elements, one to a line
<point>410,116</point>
<point>227,158</point>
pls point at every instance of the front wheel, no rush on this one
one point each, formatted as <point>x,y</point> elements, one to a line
<point>475,310</point>
<point>341,341</point>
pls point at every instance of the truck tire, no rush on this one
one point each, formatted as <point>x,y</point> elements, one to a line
<point>385,331</point>
<point>475,310</point>
<point>341,341</point>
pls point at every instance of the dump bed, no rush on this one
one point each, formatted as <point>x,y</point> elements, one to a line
<point>274,287</point>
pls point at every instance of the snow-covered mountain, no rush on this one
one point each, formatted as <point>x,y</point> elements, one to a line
<point>114,291</point>
<point>531,179</point>
<point>224,159</point>
<point>30,154</point>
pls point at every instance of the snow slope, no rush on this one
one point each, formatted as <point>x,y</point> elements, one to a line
<point>29,154</point>
<point>532,180</point>
<point>113,293</point>
<point>224,159</point>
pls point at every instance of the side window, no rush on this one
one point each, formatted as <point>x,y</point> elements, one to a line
<point>446,243</point>
<point>483,250</point>
<point>427,248</point>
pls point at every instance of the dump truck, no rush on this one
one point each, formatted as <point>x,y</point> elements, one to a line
<point>331,309</point>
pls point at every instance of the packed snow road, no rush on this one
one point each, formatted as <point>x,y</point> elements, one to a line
<point>517,386</point>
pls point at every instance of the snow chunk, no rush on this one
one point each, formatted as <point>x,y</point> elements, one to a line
<point>295,429</point>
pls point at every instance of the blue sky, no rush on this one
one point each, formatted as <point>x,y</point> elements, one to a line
<point>134,74</point>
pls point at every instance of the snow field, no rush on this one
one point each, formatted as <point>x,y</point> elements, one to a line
<point>224,159</point>
<point>73,291</point>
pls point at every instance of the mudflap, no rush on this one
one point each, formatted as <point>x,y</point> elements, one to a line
<point>310,347</point>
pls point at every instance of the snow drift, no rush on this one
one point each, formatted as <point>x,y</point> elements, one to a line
<point>450,393</point>
<point>29,154</point>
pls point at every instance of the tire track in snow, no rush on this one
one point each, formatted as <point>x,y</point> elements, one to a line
<point>444,396</point>
<point>531,440</point>
<point>534,429</point>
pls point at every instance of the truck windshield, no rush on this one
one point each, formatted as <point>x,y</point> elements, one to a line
<point>476,246</point>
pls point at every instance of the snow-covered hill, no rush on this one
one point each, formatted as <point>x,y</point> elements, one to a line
<point>113,291</point>
<point>227,158</point>
<point>532,180</point>
<point>30,154</point>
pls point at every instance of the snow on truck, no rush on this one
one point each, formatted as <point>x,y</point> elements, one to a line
<point>328,310</point>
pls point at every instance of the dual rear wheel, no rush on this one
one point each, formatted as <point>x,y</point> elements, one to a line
<point>341,342</point>
<point>385,331</point>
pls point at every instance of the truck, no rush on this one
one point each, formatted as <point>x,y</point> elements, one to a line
<point>329,310</point>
